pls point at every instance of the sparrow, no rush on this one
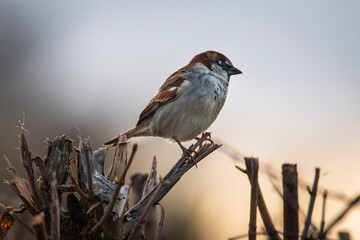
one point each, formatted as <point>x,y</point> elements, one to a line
<point>188,102</point>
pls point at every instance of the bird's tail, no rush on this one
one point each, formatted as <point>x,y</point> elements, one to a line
<point>130,133</point>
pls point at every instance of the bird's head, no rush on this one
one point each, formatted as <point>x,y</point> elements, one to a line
<point>215,62</point>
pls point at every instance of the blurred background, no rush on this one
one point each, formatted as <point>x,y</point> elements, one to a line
<point>96,65</point>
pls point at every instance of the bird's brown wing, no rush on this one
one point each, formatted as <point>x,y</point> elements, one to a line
<point>167,93</point>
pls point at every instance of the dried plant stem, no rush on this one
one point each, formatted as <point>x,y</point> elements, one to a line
<point>291,204</point>
<point>264,213</point>
<point>160,235</point>
<point>27,163</point>
<point>322,224</point>
<point>12,212</point>
<point>39,227</point>
<point>342,214</point>
<point>110,206</point>
<point>311,205</point>
<point>89,172</point>
<point>150,205</point>
<point>173,176</point>
<point>54,209</point>
<point>252,167</point>
<point>77,187</point>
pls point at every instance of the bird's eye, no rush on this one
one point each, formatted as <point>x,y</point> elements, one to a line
<point>222,64</point>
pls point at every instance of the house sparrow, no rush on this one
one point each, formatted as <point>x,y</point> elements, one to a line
<point>188,102</point>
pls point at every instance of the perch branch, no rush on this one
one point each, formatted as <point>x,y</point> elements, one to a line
<point>173,176</point>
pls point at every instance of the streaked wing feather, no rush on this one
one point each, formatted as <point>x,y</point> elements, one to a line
<point>165,95</point>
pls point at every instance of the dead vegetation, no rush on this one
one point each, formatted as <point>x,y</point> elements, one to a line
<point>70,197</point>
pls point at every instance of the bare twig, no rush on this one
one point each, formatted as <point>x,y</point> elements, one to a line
<point>291,204</point>
<point>63,188</point>
<point>269,226</point>
<point>322,224</point>
<point>311,205</point>
<point>110,206</point>
<point>13,214</point>
<point>54,209</point>
<point>2,206</point>
<point>77,187</point>
<point>252,167</point>
<point>161,235</point>
<point>149,206</point>
<point>342,214</point>
<point>39,226</point>
<point>27,227</point>
<point>92,207</point>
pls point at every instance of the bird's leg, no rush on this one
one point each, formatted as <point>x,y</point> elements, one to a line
<point>187,152</point>
<point>205,136</point>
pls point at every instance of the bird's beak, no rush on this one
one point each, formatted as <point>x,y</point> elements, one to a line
<point>234,71</point>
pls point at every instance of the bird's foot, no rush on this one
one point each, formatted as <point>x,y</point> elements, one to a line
<point>187,152</point>
<point>205,136</point>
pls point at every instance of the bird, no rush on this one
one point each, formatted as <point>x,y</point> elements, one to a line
<point>188,102</point>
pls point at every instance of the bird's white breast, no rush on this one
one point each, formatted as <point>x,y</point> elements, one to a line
<point>200,100</point>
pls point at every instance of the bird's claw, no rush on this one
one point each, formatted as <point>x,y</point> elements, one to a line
<point>205,136</point>
<point>188,154</point>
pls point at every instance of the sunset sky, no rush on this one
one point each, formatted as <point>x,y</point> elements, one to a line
<point>96,65</point>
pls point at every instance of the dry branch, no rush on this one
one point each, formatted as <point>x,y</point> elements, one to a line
<point>311,205</point>
<point>322,224</point>
<point>264,213</point>
<point>342,215</point>
<point>25,155</point>
<point>252,168</point>
<point>149,206</point>
<point>173,176</point>
<point>161,235</point>
<point>90,191</point>
<point>20,187</point>
<point>54,209</point>
<point>39,226</point>
<point>119,185</point>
